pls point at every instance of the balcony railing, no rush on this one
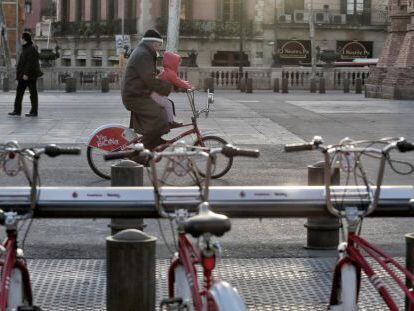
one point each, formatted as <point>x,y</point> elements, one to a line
<point>204,28</point>
<point>88,29</point>
<point>332,17</point>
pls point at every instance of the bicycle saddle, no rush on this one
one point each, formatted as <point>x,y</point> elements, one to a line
<point>207,222</point>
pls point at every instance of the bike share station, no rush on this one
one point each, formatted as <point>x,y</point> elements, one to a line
<point>134,251</point>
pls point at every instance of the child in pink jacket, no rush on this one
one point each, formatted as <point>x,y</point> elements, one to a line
<point>171,62</point>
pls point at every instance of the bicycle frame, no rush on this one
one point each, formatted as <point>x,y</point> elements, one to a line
<point>355,257</point>
<point>188,256</point>
<point>9,263</point>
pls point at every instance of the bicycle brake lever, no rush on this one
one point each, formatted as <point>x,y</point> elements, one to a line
<point>219,249</point>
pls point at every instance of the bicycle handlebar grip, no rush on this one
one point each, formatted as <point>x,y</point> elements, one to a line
<point>405,146</point>
<point>299,147</point>
<point>231,151</point>
<point>54,151</point>
<point>117,155</point>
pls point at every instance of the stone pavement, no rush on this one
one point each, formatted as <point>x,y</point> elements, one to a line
<point>266,284</point>
<point>270,266</point>
<point>71,118</point>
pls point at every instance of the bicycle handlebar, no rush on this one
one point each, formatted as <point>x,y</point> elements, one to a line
<point>117,155</point>
<point>231,151</point>
<point>405,146</point>
<point>299,147</point>
<point>54,151</point>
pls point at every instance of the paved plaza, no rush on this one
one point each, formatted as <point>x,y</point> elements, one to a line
<point>264,258</point>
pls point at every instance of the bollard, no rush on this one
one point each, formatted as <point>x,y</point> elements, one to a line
<point>358,86</point>
<point>276,85</point>
<point>70,85</point>
<point>242,85</point>
<point>249,85</point>
<point>409,262</point>
<point>346,85</point>
<point>124,174</point>
<point>209,84</point>
<point>285,85</point>
<point>105,85</point>
<point>322,89</point>
<point>313,86</point>
<point>322,232</point>
<point>6,85</point>
<point>40,84</point>
<point>130,271</point>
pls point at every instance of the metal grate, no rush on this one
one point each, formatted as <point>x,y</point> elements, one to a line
<point>265,284</point>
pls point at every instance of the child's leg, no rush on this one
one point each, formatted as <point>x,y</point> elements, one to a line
<point>166,104</point>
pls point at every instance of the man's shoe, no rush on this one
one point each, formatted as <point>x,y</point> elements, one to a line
<point>175,124</point>
<point>14,113</point>
<point>31,114</point>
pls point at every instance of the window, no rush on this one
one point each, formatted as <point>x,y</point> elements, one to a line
<point>230,10</point>
<point>65,11</point>
<point>131,9</point>
<point>292,5</point>
<point>354,7</point>
<point>80,10</point>
<point>112,12</point>
<point>95,10</point>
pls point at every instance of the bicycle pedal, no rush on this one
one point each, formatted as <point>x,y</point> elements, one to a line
<point>29,308</point>
<point>172,302</point>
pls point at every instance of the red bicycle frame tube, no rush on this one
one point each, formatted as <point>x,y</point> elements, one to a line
<point>354,256</point>
<point>10,262</point>
<point>189,256</point>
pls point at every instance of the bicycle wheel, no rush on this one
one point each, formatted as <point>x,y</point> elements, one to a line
<point>346,292</point>
<point>97,163</point>
<point>223,164</point>
<point>226,297</point>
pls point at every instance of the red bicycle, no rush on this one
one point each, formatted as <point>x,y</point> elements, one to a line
<point>15,286</point>
<point>184,290</point>
<point>114,138</point>
<point>354,250</point>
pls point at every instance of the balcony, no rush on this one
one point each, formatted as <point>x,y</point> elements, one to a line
<point>88,29</point>
<point>206,29</point>
<point>334,19</point>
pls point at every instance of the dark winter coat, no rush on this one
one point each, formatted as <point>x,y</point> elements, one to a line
<point>28,63</point>
<point>139,81</point>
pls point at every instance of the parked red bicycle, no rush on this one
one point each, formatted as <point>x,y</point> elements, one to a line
<point>15,286</point>
<point>354,251</point>
<point>113,138</point>
<point>184,290</point>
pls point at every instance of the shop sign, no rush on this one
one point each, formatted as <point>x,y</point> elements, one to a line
<point>293,51</point>
<point>354,49</point>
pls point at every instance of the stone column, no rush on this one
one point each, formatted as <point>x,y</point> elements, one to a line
<point>380,75</point>
<point>145,20</point>
<point>173,25</point>
<point>402,75</point>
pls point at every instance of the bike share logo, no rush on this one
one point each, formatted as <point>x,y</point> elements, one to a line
<point>104,141</point>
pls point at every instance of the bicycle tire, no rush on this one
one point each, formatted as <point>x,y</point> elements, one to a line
<point>225,163</point>
<point>97,163</point>
<point>346,292</point>
<point>226,297</point>
<point>21,300</point>
<point>182,287</point>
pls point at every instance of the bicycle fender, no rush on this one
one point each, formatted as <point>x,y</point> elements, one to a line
<point>226,297</point>
<point>110,136</point>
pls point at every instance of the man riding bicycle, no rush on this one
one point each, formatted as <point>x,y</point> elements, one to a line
<point>147,117</point>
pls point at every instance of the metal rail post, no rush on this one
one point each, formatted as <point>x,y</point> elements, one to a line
<point>346,85</point>
<point>124,174</point>
<point>409,262</point>
<point>249,85</point>
<point>322,87</point>
<point>323,232</point>
<point>285,85</point>
<point>313,85</point>
<point>130,272</point>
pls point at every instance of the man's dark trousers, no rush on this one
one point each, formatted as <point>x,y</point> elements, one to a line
<point>21,88</point>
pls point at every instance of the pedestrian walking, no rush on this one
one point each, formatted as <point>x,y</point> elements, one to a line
<point>27,73</point>
<point>147,117</point>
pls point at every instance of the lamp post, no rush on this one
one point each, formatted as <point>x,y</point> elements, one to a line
<point>241,11</point>
<point>312,39</point>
